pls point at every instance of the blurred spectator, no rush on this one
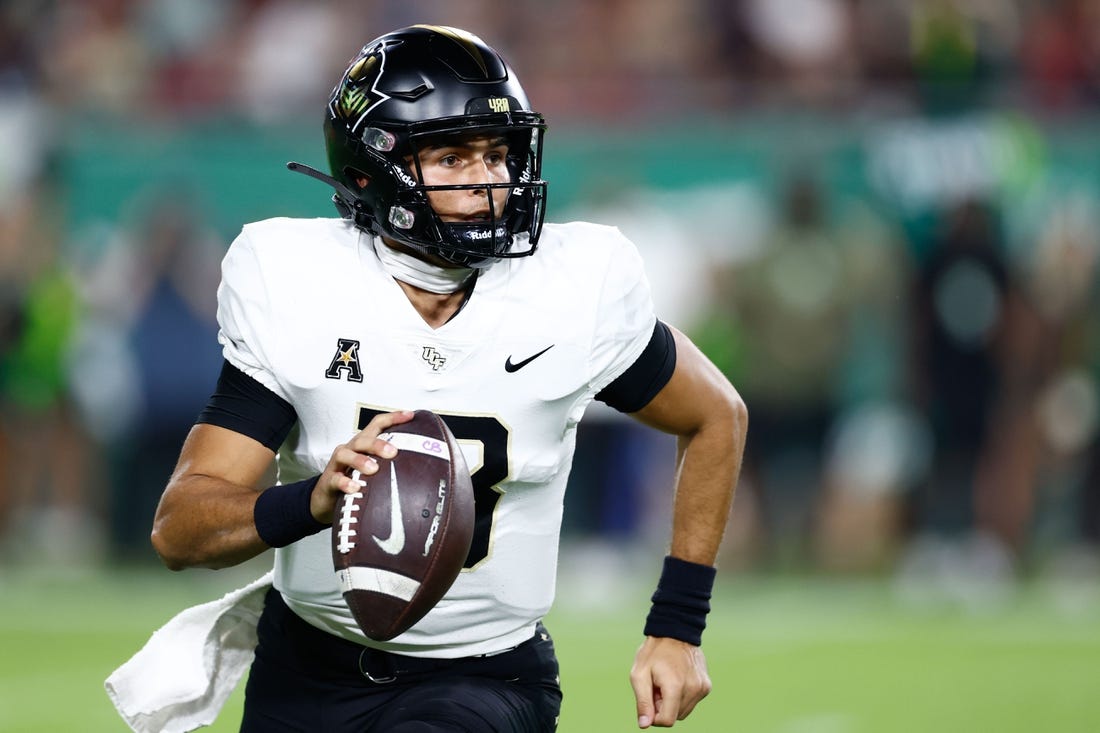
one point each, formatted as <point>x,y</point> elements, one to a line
<point>95,59</point>
<point>50,491</point>
<point>960,51</point>
<point>810,60</point>
<point>1060,54</point>
<point>195,44</point>
<point>48,488</point>
<point>877,446</point>
<point>287,53</point>
<point>150,299</point>
<point>963,303</point>
<point>793,305</point>
<point>1051,482</point>
<point>49,498</point>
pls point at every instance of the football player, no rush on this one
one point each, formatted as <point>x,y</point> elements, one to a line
<point>439,287</point>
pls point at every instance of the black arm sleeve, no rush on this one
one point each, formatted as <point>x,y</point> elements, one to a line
<point>245,406</point>
<point>634,388</point>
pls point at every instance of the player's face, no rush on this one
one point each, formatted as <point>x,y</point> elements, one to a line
<point>465,161</point>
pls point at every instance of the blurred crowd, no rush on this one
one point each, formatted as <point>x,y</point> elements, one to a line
<point>178,59</point>
<point>923,387</point>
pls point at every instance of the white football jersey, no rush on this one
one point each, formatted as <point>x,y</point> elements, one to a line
<point>306,309</point>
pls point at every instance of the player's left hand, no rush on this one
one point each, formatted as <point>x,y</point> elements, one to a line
<point>669,678</point>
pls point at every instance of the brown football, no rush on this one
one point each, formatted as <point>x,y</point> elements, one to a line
<point>399,543</point>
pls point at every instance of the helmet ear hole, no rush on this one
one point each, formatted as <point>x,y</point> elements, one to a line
<point>360,178</point>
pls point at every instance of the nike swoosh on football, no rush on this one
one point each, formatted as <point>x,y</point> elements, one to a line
<point>510,366</point>
<point>396,541</point>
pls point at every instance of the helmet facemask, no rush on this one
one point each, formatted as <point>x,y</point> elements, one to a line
<point>410,218</point>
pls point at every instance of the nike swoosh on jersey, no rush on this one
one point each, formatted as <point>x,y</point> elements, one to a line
<point>510,366</point>
<point>396,541</point>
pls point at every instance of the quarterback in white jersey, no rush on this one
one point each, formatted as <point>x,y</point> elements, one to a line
<point>581,308</point>
<point>440,288</point>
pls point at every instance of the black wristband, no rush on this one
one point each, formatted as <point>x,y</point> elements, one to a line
<point>681,601</point>
<point>282,514</point>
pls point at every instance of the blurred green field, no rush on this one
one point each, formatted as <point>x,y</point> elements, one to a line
<point>791,655</point>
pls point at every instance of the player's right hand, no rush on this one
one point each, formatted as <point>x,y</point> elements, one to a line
<point>669,678</point>
<point>358,453</point>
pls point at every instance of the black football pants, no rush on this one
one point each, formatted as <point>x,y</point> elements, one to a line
<point>304,679</point>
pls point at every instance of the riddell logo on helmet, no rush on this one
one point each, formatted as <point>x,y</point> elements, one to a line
<point>486,233</point>
<point>404,176</point>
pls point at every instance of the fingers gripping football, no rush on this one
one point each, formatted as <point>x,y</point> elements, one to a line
<point>400,540</point>
<point>358,454</point>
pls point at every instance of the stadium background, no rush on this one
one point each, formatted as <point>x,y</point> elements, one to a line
<point>881,219</point>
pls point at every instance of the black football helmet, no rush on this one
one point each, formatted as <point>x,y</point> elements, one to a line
<point>415,86</point>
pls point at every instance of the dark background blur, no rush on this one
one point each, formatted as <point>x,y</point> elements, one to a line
<point>879,218</point>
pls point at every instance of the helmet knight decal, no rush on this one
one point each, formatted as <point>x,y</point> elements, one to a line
<point>357,94</point>
<point>415,86</point>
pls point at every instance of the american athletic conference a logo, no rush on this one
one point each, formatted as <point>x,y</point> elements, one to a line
<point>346,361</point>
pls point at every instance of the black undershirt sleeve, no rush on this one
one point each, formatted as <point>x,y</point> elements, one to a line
<point>633,389</point>
<point>245,406</point>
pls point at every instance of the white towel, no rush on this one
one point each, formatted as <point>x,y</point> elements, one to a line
<point>182,677</point>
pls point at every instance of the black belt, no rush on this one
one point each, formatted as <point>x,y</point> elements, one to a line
<point>375,665</point>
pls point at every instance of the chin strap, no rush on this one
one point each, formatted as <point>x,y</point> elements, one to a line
<point>347,203</point>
